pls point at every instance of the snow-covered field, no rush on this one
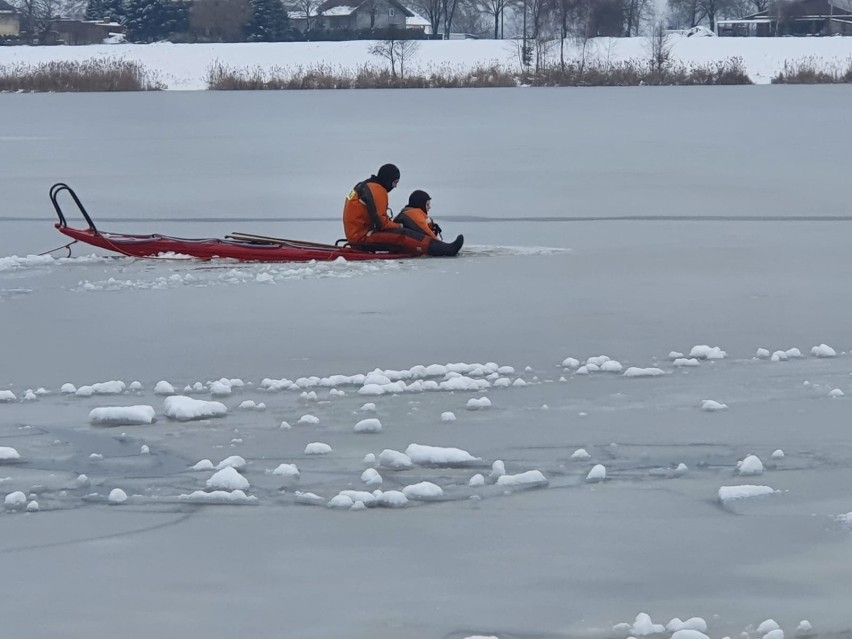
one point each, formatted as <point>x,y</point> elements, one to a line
<point>622,412</point>
<point>185,66</point>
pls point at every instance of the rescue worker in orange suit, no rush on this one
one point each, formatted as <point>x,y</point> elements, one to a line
<point>369,227</point>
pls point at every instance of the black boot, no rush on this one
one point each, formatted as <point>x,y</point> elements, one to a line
<point>437,248</point>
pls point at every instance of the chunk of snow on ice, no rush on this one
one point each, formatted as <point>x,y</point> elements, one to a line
<point>392,499</point>
<point>96,456</point>
<point>144,450</point>
<point>635,371</point>
<point>731,493</point>
<point>310,499</point>
<point>220,388</point>
<point>287,470</point>
<point>234,461</point>
<point>751,465</point>
<point>762,353</point>
<point>836,392</point>
<point>122,415</point>
<point>30,396</point>
<point>285,425</point>
<point>117,496</point>
<point>82,480</point>
<point>686,361</point>
<point>16,499</point>
<point>317,448</point>
<point>644,626</point>
<point>237,497</point>
<point>371,477</point>
<point>528,479</point>
<point>711,406</point>
<point>363,496</point>
<point>371,425</point>
<point>518,383</point>
<point>793,353</point>
<point>681,469</point>
<point>423,491</point>
<point>693,623</point>
<point>394,459</point>
<point>204,464</point>
<point>163,388</point>
<point>228,479</point>
<point>774,634</point>
<point>437,456</point>
<point>823,350</point>
<point>498,469</point>
<point>597,473</point>
<point>8,454</point>
<point>778,356</point>
<point>448,416</point>
<point>689,633</point>
<point>135,386</point>
<point>308,419</point>
<point>370,458</point>
<point>804,628</point>
<point>702,351</point>
<point>334,392</point>
<point>570,362</point>
<point>184,409</point>
<point>476,403</point>
<point>476,480</point>
<point>673,355</point>
<point>369,406</point>
<point>32,507</point>
<point>310,396</point>
<point>611,366</point>
<point>7,396</point>
<point>777,454</point>
<point>68,389</point>
<point>342,502</point>
<point>767,626</point>
<point>580,454</point>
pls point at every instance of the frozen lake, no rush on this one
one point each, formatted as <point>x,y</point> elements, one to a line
<point>621,222</point>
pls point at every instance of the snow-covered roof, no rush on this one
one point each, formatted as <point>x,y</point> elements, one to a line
<point>340,10</point>
<point>417,21</point>
<point>5,7</point>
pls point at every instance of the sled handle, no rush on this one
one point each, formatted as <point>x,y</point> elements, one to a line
<point>55,190</point>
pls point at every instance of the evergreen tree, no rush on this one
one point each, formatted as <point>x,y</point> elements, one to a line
<point>269,22</point>
<point>115,10</point>
<point>150,20</point>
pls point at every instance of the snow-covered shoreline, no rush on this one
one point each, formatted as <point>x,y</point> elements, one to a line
<point>185,66</point>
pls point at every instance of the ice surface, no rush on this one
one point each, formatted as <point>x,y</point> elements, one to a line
<point>674,242</point>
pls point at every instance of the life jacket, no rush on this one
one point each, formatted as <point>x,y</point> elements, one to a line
<point>415,219</point>
<point>366,211</point>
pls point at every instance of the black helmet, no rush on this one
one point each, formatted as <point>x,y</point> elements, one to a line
<point>418,199</point>
<point>387,175</point>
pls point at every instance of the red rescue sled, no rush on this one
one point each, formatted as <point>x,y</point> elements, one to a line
<point>237,246</point>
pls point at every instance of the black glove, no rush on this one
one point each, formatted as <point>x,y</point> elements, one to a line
<point>436,229</point>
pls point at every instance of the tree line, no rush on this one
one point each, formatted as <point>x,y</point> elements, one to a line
<point>267,20</point>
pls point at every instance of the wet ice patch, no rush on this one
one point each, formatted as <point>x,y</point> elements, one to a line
<point>122,415</point>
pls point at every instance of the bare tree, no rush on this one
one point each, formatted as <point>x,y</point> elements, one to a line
<point>448,7</point>
<point>219,20</point>
<point>397,53</point>
<point>433,11</point>
<point>686,13</point>
<point>713,9</point>
<point>309,8</point>
<point>36,18</point>
<point>634,11</point>
<point>493,9</point>
<point>660,48</point>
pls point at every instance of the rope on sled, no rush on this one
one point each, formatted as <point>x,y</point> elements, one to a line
<point>67,247</point>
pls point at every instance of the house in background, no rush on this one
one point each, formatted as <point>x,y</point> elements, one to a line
<point>798,18</point>
<point>355,15</point>
<point>77,32</point>
<point>10,21</point>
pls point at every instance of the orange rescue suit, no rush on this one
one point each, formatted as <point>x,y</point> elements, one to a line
<point>366,211</point>
<point>416,219</point>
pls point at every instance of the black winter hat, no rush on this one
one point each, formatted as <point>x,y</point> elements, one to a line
<point>418,199</point>
<point>387,175</point>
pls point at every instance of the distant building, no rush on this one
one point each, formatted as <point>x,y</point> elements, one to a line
<point>78,32</point>
<point>793,17</point>
<point>10,21</point>
<point>352,16</point>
